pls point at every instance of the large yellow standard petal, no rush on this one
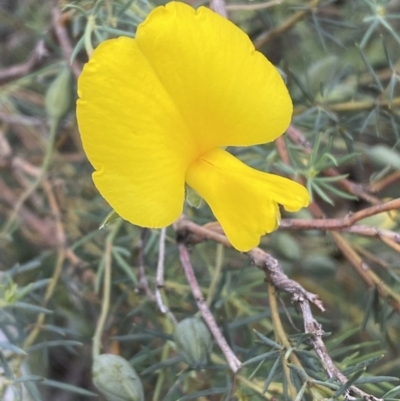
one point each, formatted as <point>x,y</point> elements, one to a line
<point>244,201</point>
<point>133,134</point>
<point>228,93</point>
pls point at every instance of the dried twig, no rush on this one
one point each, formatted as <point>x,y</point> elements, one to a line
<point>143,282</point>
<point>384,182</point>
<point>278,278</point>
<point>253,7</point>
<point>231,358</point>
<point>348,221</point>
<point>266,37</point>
<point>274,272</point>
<point>314,329</point>
<point>63,39</point>
<point>38,54</point>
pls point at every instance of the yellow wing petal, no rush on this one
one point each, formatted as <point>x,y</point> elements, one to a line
<point>133,135</point>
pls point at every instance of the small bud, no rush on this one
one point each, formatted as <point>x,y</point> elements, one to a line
<point>193,341</point>
<point>116,379</point>
<point>58,96</point>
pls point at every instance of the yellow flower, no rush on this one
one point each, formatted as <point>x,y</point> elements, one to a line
<point>156,111</point>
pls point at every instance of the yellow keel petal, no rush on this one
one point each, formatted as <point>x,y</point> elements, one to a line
<point>244,201</point>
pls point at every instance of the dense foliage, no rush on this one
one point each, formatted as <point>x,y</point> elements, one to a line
<point>313,314</point>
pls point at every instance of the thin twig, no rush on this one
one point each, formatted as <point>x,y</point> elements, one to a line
<point>143,282</point>
<point>314,329</point>
<point>275,273</point>
<point>231,358</point>
<point>384,182</point>
<point>282,149</point>
<point>160,278</point>
<point>280,280</point>
<point>63,40</point>
<point>273,269</point>
<point>266,37</point>
<point>348,221</point>
<point>253,7</point>
<point>161,257</point>
<point>38,54</point>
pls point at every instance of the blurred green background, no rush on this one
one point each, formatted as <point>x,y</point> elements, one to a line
<point>341,63</point>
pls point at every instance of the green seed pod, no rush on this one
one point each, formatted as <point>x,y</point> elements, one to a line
<point>59,95</point>
<point>288,246</point>
<point>384,156</point>
<point>116,379</point>
<point>193,341</point>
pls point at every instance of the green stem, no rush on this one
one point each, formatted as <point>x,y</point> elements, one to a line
<point>105,304</point>
<point>219,258</point>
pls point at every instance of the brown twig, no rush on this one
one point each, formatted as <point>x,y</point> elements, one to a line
<point>63,39</point>
<point>160,278</point>
<point>230,357</point>
<point>266,37</point>
<point>274,272</point>
<point>314,329</point>
<point>280,280</point>
<point>282,149</point>
<point>253,7</point>
<point>143,282</point>
<point>390,238</point>
<point>36,57</point>
<point>348,221</point>
<point>192,232</point>
<point>384,182</point>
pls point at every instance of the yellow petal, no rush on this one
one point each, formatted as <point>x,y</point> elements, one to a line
<point>133,135</point>
<point>227,93</point>
<point>244,201</point>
